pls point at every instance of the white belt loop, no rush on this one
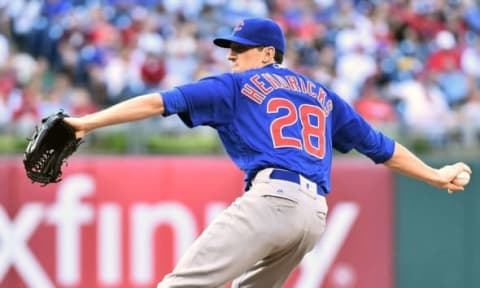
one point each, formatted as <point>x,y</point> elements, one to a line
<point>309,186</point>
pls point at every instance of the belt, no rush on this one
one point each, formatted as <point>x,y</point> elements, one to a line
<point>279,174</point>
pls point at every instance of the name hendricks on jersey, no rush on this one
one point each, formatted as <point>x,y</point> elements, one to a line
<point>261,85</point>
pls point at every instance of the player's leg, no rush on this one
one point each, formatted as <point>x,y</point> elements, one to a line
<point>242,235</point>
<point>273,270</point>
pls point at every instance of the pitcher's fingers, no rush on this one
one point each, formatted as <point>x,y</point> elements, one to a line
<point>464,167</point>
<point>452,188</point>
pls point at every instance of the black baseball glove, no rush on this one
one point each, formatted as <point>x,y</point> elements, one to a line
<point>51,144</point>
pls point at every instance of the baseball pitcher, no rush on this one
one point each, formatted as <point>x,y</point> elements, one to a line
<point>279,127</point>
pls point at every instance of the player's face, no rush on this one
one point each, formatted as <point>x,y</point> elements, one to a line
<point>247,57</point>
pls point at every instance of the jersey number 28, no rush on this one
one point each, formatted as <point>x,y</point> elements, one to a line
<point>310,129</point>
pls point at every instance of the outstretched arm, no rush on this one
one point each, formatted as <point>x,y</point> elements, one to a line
<point>138,108</point>
<point>405,162</point>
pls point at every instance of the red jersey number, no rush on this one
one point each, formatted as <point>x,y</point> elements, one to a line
<point>310,129</point>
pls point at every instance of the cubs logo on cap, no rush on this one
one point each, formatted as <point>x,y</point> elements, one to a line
<point>255,32</point>
<point>238,27</point>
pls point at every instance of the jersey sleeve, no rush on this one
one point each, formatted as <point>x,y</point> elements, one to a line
<point>351,131</point>
<point>173,102</point>
<point>210,101</point>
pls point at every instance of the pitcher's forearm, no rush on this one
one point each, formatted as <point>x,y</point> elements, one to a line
<point>405,162</point>
<point>134,109</point>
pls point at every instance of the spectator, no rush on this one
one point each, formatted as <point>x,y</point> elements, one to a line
<point>374,106</point>
<point>4,50</point>
<point>423,109</point>
<point>56,98</point>
<point>354,65</point>
<point>7,85</point>
<point>124,47</point>
<point>25,110</point>
<point>153,71</point>
<point>119,75</point>
<point>470,59</point>
<point>181,55</point>
<point>81,103</point>
<point>446,54</point>
<point>472,15</point>
<point>445,64</point>
<point>469,116</point>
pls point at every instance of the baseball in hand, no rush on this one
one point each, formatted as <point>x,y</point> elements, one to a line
<point>462,179</point>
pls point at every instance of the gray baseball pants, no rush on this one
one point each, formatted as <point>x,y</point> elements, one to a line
<point>259,239</point>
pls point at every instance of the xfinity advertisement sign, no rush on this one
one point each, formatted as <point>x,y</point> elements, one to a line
<point>93,230</point>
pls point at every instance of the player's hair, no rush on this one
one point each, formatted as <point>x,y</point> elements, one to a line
<point>278,57</point>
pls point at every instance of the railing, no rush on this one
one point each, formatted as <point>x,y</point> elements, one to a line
<point>170,136</point>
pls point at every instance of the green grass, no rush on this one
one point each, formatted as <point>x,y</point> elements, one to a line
<point>10,144</point>
<point>184,144</point>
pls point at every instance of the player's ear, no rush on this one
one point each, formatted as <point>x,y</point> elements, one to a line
<point>268,54</point>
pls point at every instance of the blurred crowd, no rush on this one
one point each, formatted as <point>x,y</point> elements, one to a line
<point>413,65</point>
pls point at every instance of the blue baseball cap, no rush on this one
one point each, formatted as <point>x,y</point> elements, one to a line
<point>255,32</point>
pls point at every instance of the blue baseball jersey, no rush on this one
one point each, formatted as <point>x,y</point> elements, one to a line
<point>275,117</point>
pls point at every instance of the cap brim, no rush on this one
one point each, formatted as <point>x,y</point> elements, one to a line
<point>226,41</point>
